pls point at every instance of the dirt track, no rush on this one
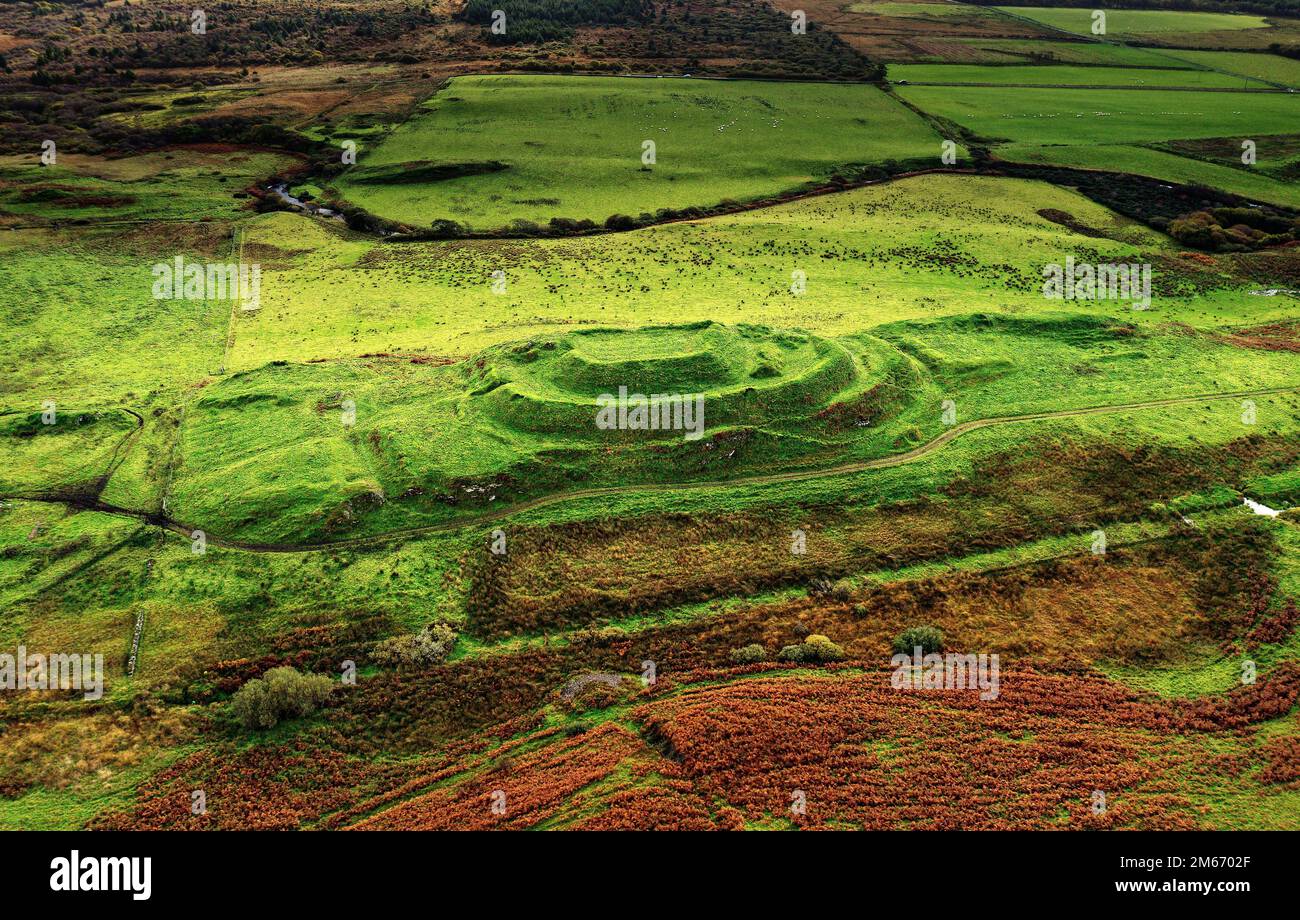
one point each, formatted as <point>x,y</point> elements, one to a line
<point>846,469</point>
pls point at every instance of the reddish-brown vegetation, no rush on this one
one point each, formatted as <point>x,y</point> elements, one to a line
<point>1269,337</point>
<point>571,575</point>
<point>525,792</point>
<point>866,755</point>
<point>1283,767</point>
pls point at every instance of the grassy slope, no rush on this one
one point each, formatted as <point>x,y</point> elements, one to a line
<point>1269,67</point>
<point>1132,23</point>
<point>86,330</point>
<point>95,338</point>
<point>573,145</point>
<point>1090,116</point>
<point>252,434</point>
<point>1161,165</point>
<point>1105,129</point>
<point>862,270</point>
<point>1061,75</point>
<point>174,184</point>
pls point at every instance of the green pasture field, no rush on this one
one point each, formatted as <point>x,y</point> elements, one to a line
<point>81,325</point>
<point>1160,164</point>
<point>1060,51</point>
<point>572,146</point>
<point>1271,68</point>
<point>447,402</point>
<point>1116,129</point>
<point>1169,28</point>
<point>1137,23</point>
<point>1091,116</point>
<point>92,335</point>
<point>972,244</point>
<point>176,184</point>
<point>1061,75</point>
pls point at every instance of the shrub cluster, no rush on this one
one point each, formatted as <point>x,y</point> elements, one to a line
<point>280,693</point>
<point>749,654</point>
<point>816,649</point>
<point>929,638</point>
<point>431,645</point>
<point>1233,229</point>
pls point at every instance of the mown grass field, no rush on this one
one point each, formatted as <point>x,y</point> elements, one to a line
<point>1063,75</point>
<point>1118,129</point>
<point>1079,117</point>
<point>572,147</point>
<point>1271,68</point>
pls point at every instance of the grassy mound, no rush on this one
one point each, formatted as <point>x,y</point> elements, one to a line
<point>745,374</point>
<point>304,451</point>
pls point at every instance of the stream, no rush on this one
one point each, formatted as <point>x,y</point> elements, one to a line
<point>281,191</point>
<point>1260,509</point>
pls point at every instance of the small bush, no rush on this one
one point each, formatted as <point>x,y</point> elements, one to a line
<point>429,646</point>
<point>790,653</point>
<point>842,590</point>
<point>860,611</point>
<point>749,654</point>
<point>928,638</point>
<point>620,222</point>
<point>280,693</point>
<point>447,229</point>
<point>816,649</point>
<point>819,648</point>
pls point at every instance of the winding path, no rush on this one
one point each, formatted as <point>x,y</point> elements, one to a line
<point>844,469</point>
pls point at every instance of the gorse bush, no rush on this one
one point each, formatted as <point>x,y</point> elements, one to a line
<point>820,649</point>
<point>280,693</point>
<point>816,649</point>
<point>749,654</point>
<point>429,646</point>
<point>929,638</point>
